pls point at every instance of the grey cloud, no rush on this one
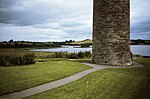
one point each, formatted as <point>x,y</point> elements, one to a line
<point>32,12</point>
<point>140,19</point>
<point>7,3</point>
<point>60,20</point>
<point>141,27</point>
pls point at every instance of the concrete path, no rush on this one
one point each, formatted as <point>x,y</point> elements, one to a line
<point>55,84</point>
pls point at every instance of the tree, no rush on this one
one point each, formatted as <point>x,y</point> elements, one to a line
<point>11,40</point>
<point>16,45</point>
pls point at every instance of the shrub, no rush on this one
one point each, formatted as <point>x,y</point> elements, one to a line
<point>60,54</point>
<point>13,60</point>
<point>81,54</point>
<point>146,56</point>
<point>72,56</point>
<point>85,45</point>
<point>86,54</point>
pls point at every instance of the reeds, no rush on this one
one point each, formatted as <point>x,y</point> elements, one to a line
<point>86,54</point>
<point>15,60</point>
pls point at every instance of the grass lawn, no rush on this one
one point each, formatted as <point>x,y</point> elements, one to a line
<point>22,77</point>
<point>129,83</point>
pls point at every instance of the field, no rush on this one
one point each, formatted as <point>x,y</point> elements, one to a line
<point>129,83</point>
<point>106,84</point>
<point>21,51</point>
<point>87,41</point>
<point>15,78</point>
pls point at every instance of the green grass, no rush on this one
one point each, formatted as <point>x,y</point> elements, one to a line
<point>22,77</point>
<point>129,83</point>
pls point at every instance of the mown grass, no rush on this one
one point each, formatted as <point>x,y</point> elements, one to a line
<point>128,83</point>
<point>19,78</point>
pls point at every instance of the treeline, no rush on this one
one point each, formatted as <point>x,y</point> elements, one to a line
<point>17,60</point>
<point>26,44</point>
<point>140,42</point>
<point>18,44</point>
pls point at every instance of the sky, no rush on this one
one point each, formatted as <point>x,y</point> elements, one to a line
<point>60,20</point>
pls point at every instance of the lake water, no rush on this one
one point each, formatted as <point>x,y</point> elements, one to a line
<point>143,50</point>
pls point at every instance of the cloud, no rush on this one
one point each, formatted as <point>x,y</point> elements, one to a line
<point>58,20</point>
<point>45,20</point>
<point>29,12</point>
<point>24,33</point>
<point>140,19</point>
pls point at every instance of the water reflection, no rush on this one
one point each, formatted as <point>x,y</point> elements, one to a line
<point>143,50</point>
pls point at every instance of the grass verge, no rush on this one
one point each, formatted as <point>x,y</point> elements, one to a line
<point>19,78</point>
<point>123,83</point>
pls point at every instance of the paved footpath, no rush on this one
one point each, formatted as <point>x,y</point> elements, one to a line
<point>55,84</point>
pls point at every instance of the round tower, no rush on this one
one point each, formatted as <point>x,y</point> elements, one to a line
<point>111,32</point>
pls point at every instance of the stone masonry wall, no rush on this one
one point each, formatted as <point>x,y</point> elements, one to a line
<point>111,32</point>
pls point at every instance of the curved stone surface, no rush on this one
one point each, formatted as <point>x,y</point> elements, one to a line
<point>111,32</point>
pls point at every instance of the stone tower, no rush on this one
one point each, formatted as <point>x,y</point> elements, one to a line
<point>111,32</point>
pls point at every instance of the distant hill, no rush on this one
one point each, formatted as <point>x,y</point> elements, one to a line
<point>140,42</point>
<point>86,41</point>
<point>133,42</point>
